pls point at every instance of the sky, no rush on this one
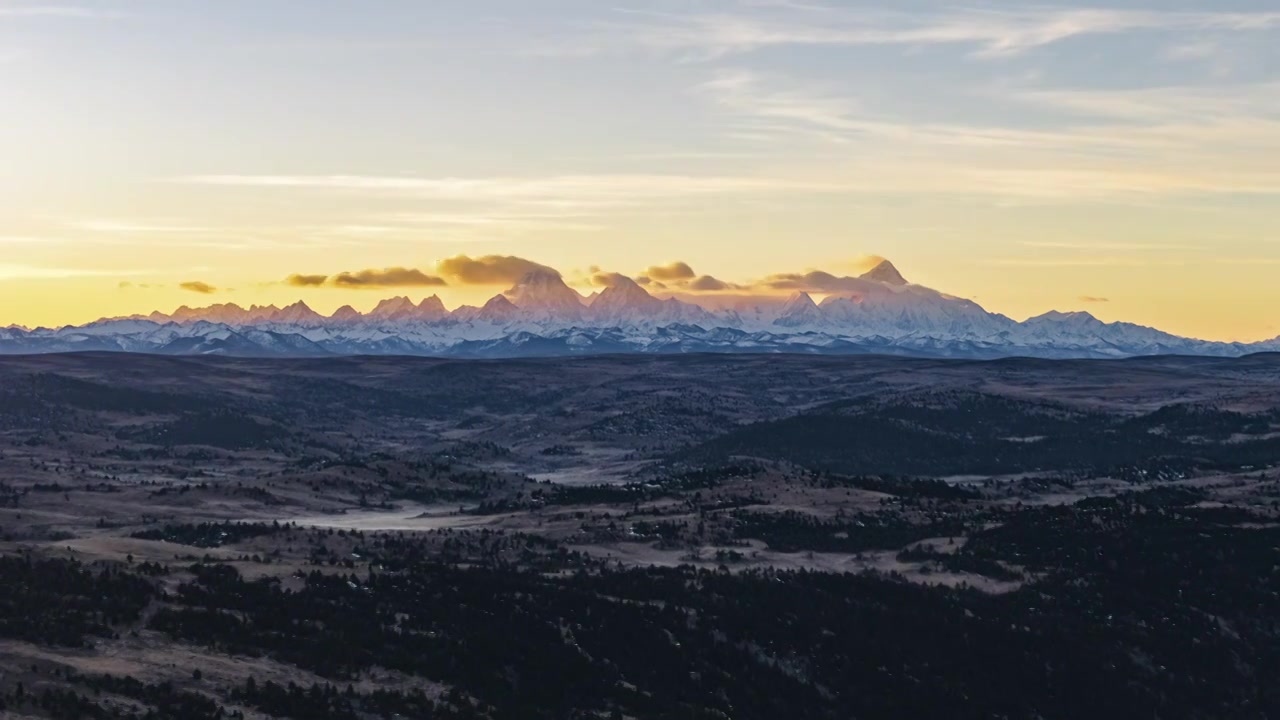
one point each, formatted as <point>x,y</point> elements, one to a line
<point>1119,157</point>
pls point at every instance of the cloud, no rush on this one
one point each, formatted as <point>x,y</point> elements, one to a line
<point>671,272</point>
<point>707,283</point>
<point>562,193</point>
<point>1116,246</point>
<point>306,280</point>
<point>196,286</point>
<point>650,282</point>
<point>54,11</point>
<point>1163,106</point>
<point>771,107</point>
<point>388,277</point>
<point>1091,261</point>
<point>813,281</point>
<point>125,226</point>
<point>29,240</point>
<point>32,272</point>
<point>489,269</point>
<point>992,33</point>
<point>369,279</point>
<point>609,279</point>
<point>820,281</point>
<point>866,263</point>
<point>1093,299</point>
<point>1135,145</point>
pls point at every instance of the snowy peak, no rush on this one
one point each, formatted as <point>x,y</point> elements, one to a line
<point>543,293</point>
<point>432,308</point>
<point>877,312</point>
<point>297,313</point>
<point>393,308</point>
<point>346,314</point>
<point>885,273</point>
<point>227,313</point>
<point>801,302</point>
<point>1056,316</point>
<point>799,311</point>
<point>624,299</point>
<point>402,308</point>
<point>498,309</point>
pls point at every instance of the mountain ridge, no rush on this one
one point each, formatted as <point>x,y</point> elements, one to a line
<point>540,314</point>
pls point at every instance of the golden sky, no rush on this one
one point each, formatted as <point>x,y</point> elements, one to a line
<point>1122,158</point>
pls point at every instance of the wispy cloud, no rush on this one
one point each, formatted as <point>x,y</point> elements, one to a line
<point>570,190</point>
<point>32,240</point>
<point>138,227</point>
<point>1139,144</point>
<point>1106,246</point>
<point>10,271</point>
<point>991,32</point>
<point>54,11</point>
<point>1169,105</point>
<point>1088,261</point>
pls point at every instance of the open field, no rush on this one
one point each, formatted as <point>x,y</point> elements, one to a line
<point>639,537</point>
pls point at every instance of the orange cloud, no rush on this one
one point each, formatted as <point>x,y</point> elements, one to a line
<point>1093,299</point>
<point>369,279</point>
<point>489,269</point>
<point>306,280</point>
<point>650,282</point>
<point>863,264</point>
<point>387,277</point>
<point>671,272</point>
<point>196,286</point>
<point>608,279</point>
<point>707,283</point>
<point>814,281</point>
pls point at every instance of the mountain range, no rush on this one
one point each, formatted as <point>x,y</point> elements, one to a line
<point>878,312</point>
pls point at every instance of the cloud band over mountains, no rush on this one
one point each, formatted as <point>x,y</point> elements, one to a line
<point>495,270</point>
<point>502,271</point>
<point>369,279</point>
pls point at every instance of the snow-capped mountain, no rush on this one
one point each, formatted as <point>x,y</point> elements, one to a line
<point>879,312</point>
<point>543,295</point>
<point>801,311</point>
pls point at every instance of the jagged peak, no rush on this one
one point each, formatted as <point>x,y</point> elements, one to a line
<point>498,302</point>
<point>432,306</point>
<point>886,273</point>
<point>1059,316</point>
<point>800,300</point>
<point>298,311</point>
<point>625,287</point>
<point>346,312</point>
<point>392,306</point>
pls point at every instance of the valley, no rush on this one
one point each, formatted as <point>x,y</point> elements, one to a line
<point>727,536</point>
